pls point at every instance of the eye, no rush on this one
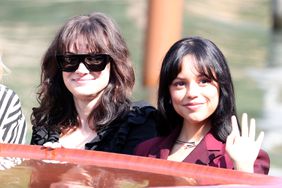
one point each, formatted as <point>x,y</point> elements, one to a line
<point>94,60</point>
<point>178,84</point>
<point>204,80</point>
<point>68,59</point>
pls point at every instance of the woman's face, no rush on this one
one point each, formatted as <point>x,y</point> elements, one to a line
<point>85,84</point>
<point>193,96</point>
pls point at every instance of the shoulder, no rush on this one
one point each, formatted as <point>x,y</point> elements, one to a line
<point>142,106</point>
<point>8,95</point>
<point>144,148</point>
<point>10,102</point>
<point>137,116</point>
<point>153,146</point>
<point>212,143</point>
<point>4,90</point>
<point>141,112</point>
<point>141,121</point>
<point>128,130</point>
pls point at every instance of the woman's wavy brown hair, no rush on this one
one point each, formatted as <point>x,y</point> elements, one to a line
<point>101,35</point>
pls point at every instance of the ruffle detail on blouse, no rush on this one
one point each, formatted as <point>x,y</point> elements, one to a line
<point>113,138</point>
<point>139,115</point>
<point>41,135</point>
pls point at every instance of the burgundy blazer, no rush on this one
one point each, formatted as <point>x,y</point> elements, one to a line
<point>209,151</point>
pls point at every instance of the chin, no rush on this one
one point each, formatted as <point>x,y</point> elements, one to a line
<point>196,118</point>
<point>85,94</point>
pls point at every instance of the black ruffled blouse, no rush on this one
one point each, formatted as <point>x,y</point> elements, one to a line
<point>121,136</point>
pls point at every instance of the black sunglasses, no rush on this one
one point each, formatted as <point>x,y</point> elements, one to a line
<point>93,62</point>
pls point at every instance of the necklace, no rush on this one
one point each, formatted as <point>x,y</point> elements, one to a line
<point>186,144</point>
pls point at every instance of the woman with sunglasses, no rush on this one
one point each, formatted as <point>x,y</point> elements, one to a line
<point>86,81</point>
<point>197,103</point>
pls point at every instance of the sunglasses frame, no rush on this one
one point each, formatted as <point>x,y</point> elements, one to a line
<point>73,65</point>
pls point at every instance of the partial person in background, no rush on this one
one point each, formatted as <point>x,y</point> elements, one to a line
<point>197,104</point>
<point>84,95</point>
<point>12,120</point>
<point>13,126</point>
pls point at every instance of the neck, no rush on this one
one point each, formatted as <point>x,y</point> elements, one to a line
<point>193,133</point>
<point>84,108</point>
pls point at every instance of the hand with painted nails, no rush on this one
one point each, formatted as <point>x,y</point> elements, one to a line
<point>243,148</point>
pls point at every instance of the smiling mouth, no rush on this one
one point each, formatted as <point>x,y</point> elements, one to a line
<point>83,79</point>
<point>193,106</point>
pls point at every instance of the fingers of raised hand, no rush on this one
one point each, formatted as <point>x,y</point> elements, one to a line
<point>250,131</point>
<point>260,139</point>
<point>235,129</point>
<point>244,126</point>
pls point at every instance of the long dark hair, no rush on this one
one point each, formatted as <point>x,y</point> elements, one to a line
<point>101,35</point>
<point>211,63</point>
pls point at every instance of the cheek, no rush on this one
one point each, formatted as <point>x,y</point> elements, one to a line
<point>65,76</point>
<point>214,97</point>
<point>106,73</point>
<point>66,79</point>
<point>102,78</point>
<point>177,95</point>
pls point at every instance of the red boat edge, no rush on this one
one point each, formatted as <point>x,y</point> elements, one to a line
<point>193,174</point>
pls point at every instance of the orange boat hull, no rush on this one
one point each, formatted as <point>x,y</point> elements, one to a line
<point>47,167</point>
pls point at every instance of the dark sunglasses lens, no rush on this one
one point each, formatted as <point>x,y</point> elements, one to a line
<point>68,63</point>
<point>97,62</point>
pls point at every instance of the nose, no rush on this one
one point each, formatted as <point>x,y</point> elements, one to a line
<point>82,68</point>
<point>192,90</point>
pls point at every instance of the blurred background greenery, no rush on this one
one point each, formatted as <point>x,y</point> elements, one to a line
<point>242,29</point>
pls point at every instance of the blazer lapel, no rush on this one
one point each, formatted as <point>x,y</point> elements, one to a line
<point>167,143</point>
<point>209,151</point>
<point>206,151</point>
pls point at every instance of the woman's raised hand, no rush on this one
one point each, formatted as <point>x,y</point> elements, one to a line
<point>244,148</point>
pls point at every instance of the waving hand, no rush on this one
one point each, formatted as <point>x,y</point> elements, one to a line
<point>244,148</point>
